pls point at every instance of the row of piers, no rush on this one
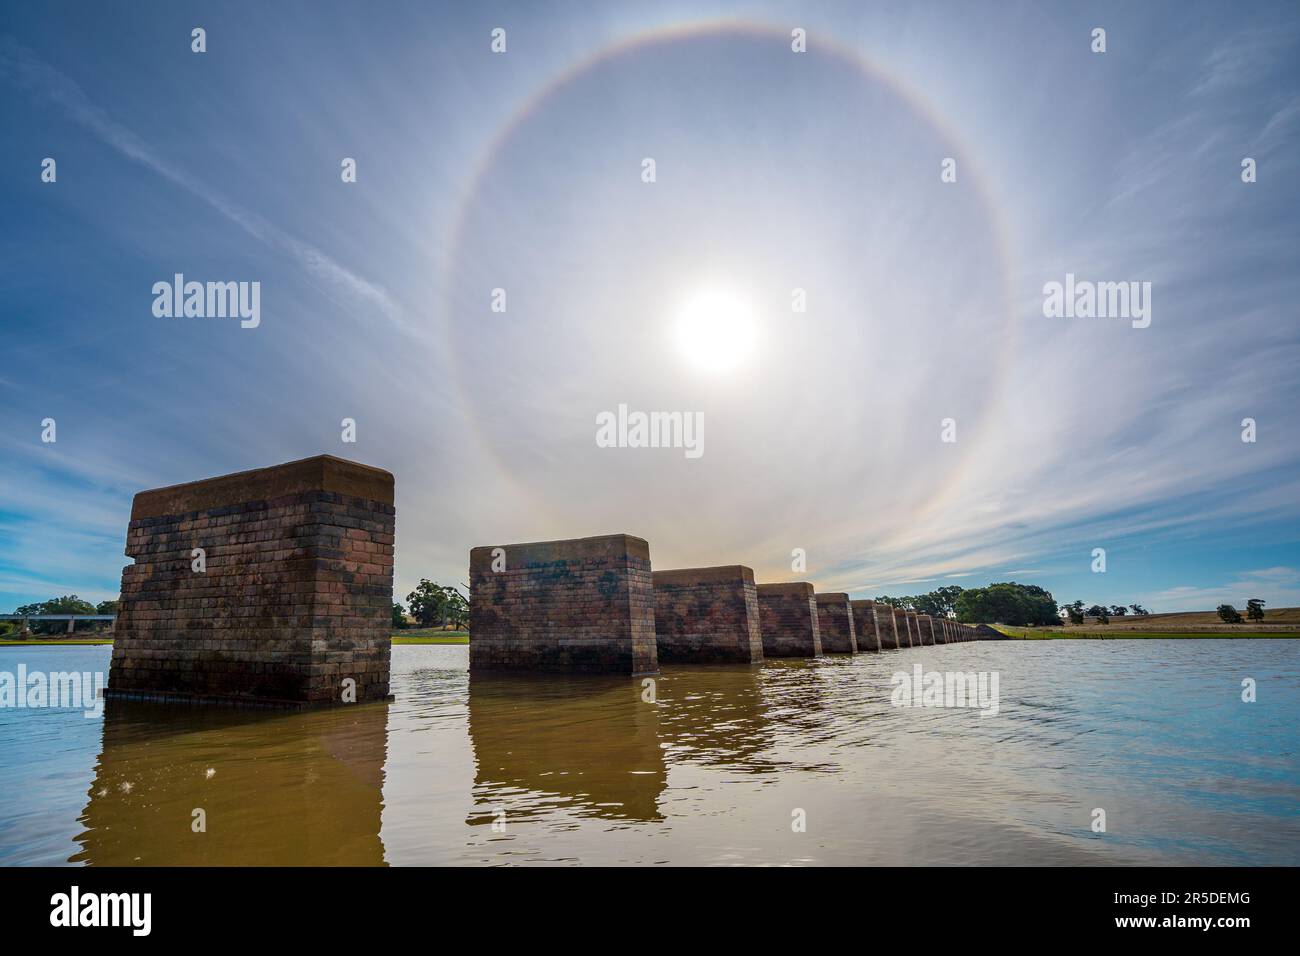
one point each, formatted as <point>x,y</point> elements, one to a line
<point>594,604</point>
<point>273,587</point>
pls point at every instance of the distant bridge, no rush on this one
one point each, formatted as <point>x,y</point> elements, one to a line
<point>72,619</point>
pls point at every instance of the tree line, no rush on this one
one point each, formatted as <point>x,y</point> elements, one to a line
<point>1076,612</point>
<point>1006,602</point>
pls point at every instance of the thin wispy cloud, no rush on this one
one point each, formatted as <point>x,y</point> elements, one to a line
<point>22,66</point>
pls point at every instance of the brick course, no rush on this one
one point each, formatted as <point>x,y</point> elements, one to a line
<point>585,604</point>
<point>707,616</point>
<point>296,596</point>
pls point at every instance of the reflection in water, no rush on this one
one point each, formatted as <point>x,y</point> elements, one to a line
<point>601,747</point>
<point>709,773</point>
<point>585,743</point>
<point>301,789</point>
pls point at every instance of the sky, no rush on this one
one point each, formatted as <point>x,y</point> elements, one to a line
<point>773,171</point>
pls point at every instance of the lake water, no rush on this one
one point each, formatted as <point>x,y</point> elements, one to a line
<point>716,771</point>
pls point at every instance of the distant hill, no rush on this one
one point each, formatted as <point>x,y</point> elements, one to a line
<point>1282,618</point>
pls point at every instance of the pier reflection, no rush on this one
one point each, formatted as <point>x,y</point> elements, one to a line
<point>542,742</point>
<point>602,747</point>
<point>291,789</point>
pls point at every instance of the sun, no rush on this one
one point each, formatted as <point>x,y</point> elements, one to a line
<point>716,329</point>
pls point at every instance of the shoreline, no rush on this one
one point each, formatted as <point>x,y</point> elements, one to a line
<point>1033,634</point>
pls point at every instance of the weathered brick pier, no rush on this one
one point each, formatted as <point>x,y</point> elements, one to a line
<point>927,629</point>
<point>585,604</point>
<point>270,587</point>
<point>835,622</point>
<point>707,616</point>
<point>864,625</point>
<point>886,629</point>
<point>902,627</point>
<point>788,613</point>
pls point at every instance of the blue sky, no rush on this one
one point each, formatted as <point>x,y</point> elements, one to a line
<point>774,171</point>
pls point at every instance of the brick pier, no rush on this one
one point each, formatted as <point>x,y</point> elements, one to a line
<point>586,604</point>
<point>902,626</point>
<point>887,626</point>
<point>293,599</point>
<point>927,629</point>
<point>707,616</point>
<point>788,613</point>
<point>864,625</point>
<point>835,622</point>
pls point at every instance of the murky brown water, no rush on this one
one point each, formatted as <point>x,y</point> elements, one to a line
<point>585,771</point>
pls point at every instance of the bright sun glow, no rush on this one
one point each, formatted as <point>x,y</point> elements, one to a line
<point>716,330</point>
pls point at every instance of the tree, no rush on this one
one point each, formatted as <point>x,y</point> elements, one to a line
<point>941,602</point>
<point>1255,609</point>
<point>428,603</point>
<point>399,616</point>
<point>437,604</point>
<point>1075,611</point>
<point>1020,605</point>
<point>947,598</point>
<point>1100,612</point>
<point>1138,609</point>
<point>1229,614</point>
<point>1118,610</point>
<point>106,607</point>
<point>68,604</point>
<point>925,604</point>
<point>457,609</point>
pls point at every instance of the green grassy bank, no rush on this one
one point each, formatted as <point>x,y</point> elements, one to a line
<point>1100,633</point>
<point>430,635</point>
